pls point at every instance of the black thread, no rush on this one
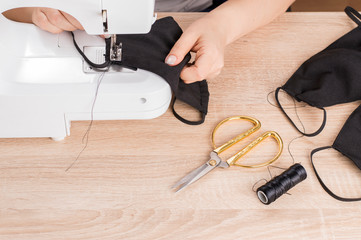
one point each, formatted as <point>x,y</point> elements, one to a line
<point>289,145</point>
<point>271,166</point>
<point>303,129</point>
<point>269,170</point>
<point>262,179</point>
<point>279,185</point>
<point>299,119</point>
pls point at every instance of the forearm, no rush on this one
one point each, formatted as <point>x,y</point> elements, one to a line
<point>20,14</point>
<point>236,18</point>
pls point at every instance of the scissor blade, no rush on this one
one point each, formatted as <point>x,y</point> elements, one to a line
<point>190,176</point>
<point>193,176</point>
<point>197,177</point>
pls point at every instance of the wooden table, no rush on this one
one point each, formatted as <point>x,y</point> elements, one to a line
<point>120,187</point>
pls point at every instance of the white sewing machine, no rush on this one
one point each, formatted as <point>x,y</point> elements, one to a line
<point>45,84</point>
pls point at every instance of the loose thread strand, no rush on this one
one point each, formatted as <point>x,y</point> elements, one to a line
<point>298,118</point>
<point>86,135</point>
<point>279,185</point>
<point>274,105</point>
<point>254,185</point>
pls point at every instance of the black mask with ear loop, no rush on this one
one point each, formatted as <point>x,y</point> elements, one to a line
<point>333,76</point>
<point>348,142</point>
<point>148,52</point>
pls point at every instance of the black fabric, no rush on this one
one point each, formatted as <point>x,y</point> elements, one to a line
<point>348,142</point>
<point>333,76</point>
<point>148,52</point>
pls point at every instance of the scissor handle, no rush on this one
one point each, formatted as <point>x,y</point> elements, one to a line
<point>230,143</point>
<point>233,160</point>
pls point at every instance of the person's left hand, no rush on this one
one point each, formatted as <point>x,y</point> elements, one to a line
<point>205,39</point>
<point>53,20</point>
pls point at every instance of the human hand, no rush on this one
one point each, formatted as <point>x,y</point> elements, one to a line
<point>205,39</point>
<point>53,20</point>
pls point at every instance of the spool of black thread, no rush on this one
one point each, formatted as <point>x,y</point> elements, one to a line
<point>279,185</point>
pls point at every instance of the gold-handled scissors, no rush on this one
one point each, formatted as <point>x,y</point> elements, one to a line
<point>215,160</point>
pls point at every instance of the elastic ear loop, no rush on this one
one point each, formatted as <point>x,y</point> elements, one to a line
<point>203,116</point>
<point>353,14</point>
<point>204,101</point>
<point>107,57</point>
<point>322,183</point>
<point>303,133</point>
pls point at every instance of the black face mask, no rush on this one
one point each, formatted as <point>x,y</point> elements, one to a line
<point>333,76</point>
<point>148,52</point>
<point>348,142</point>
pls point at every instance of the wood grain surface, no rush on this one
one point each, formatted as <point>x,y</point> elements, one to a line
<point>120,187</point>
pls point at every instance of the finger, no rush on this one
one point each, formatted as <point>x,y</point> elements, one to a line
<point>191,74</point>
<point>40,20</point>
<point>73,21</point>
<point>181,48</point>
<point>56,18</point>
<point>198,71</point>
<point>203,68</point>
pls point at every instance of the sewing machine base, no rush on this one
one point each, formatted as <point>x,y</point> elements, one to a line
<point>46,110</point>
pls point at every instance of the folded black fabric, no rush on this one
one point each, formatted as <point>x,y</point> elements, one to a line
<point>348,143</point>
<point>331,76</point>
<point>148,52</point>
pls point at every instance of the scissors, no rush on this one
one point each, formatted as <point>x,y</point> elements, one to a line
<point>215,160</point>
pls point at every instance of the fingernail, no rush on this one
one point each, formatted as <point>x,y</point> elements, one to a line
<point>170,60</point>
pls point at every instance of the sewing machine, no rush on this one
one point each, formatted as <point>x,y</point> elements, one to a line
<point>45,84</point>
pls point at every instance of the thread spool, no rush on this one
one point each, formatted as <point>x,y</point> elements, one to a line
<point>279,185</point>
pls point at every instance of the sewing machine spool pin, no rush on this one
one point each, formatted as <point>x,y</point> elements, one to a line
<point>105,20</point>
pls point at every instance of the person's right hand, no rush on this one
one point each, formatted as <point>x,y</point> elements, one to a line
<point>53,20</point>
<point>204,37</point>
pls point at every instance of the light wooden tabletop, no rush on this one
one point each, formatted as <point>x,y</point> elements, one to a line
<point>120,187</point>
